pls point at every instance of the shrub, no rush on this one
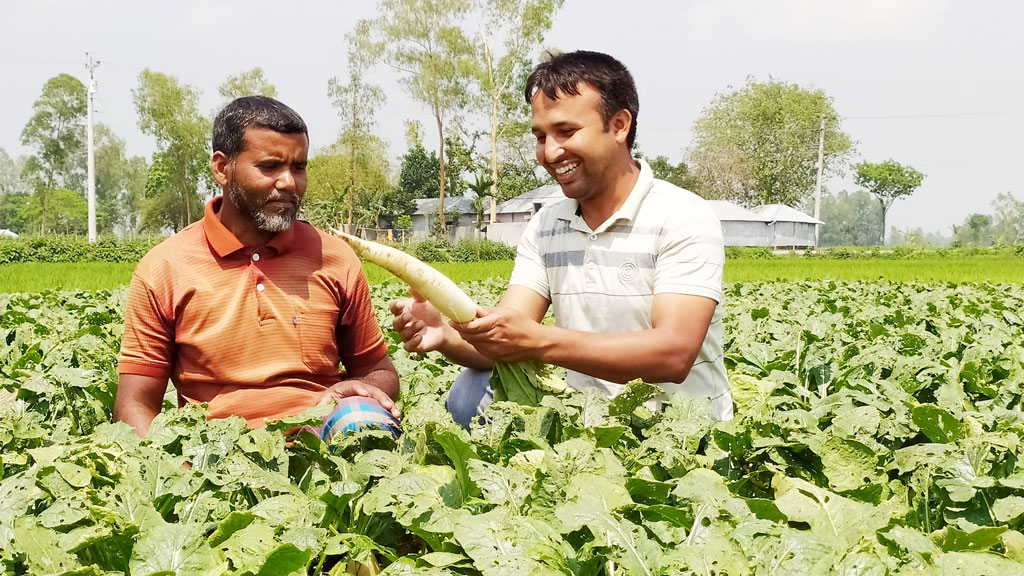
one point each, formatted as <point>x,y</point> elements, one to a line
<point>58,248</point>
<point>433,249</point>
<point>472,250</point>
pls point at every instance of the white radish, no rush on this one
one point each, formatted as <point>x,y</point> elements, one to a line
<point>437,288</point>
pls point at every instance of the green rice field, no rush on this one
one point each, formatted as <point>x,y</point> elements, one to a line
<point>40,276</point>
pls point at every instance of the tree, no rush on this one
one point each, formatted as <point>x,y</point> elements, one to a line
<point>169,111</point>
<point>418,168</point>
<point>975,231</point>
<point>248,83</point>
<point>12,175</point>
<point>480,186</point>
<point>678,174</point>
<point>422,40</point>
<point>509,31</point>
<point>851,219</point>
<point>56,132</point>
<point>916,237</point>
<point>759,144</point>
<point>518,178</point>
<point>330,180</point>
<point>120,183</point>
<point>356,102</point>
<point>1009,219</point>
<point>323,204</point>
<point>888,181</point>
<point>459,161</point>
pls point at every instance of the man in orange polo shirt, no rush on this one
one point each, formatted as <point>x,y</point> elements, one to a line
<point>249,309</point>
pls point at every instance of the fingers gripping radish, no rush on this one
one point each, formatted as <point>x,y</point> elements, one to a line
<point>437,288</point>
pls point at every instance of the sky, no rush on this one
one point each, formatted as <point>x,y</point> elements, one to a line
<point>936,84</point>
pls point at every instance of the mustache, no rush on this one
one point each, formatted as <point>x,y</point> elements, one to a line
<point>293,198</point>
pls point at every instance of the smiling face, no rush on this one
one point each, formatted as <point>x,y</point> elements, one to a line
<point>266,181</point>
<point>575,144</point>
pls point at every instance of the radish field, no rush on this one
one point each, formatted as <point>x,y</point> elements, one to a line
<point>878,431</point>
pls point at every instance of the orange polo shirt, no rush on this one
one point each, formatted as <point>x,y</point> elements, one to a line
<point>257,333</point>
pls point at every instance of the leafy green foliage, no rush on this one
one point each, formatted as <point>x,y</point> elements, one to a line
<point>877,432</point>
<point>851,219</point>
<point>887,181</point>
<point>56,133</point>
<point>248,83</point>
<point>423,41</point>
<point>169,112</point>
<point>74,249</point>
<point>759,144</point>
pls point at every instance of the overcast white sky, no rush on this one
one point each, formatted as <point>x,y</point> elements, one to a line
<point>937,84</point>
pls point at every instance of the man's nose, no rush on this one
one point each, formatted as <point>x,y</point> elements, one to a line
<point>286,181</point>
<point>552,150</point>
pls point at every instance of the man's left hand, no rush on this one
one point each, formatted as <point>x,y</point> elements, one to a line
<point>503,335</point>
<point>348,388</point>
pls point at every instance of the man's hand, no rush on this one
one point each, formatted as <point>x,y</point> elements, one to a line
<point>418,323</point>
<point>504,335</point>
<point>348,388</point>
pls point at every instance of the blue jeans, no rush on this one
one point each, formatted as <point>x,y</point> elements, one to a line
<point>469,395</point>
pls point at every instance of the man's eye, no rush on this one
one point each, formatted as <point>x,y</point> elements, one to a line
<point>540,139</point>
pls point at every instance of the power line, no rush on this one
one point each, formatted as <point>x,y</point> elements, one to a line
<point>951,115</point>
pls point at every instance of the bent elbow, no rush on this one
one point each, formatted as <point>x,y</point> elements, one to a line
<point>678,367</point>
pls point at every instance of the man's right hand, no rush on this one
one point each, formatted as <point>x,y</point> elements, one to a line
<point>420,326</point>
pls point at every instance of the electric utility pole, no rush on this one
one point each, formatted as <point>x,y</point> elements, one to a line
<point>90,67</point>
<point>817,181</point>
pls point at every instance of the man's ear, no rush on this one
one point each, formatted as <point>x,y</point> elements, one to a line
<point>220,166</point>
<point>620,125</point>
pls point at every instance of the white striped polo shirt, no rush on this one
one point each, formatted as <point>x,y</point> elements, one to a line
<point>663,239</point>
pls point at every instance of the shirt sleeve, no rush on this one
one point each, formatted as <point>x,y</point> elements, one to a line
<point>147,346</point>
<point>360,339</point>
<point>691,255</point>
<point>529,270</point>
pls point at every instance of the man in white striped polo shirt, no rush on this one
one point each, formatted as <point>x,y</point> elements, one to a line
<point>631,265</point>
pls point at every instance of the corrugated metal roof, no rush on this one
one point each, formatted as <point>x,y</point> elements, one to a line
<point>727,211</point>
<point>523,203</point>
<point>429,205</point>
<point>783,213</point>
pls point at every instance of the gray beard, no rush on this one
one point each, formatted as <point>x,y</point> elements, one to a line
<point>256,213</point>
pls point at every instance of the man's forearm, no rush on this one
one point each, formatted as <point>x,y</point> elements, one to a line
<point>136,415</point>
<point>652,355</point>
<point>138,401</point>
<point>382,379</point>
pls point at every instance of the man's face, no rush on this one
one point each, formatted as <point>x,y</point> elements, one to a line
<point>267,180</point>
<point>573,143</point>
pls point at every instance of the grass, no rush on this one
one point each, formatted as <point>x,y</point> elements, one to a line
<point>39,276</point>
<point>1003,270</point>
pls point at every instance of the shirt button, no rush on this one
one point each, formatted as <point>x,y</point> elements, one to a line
<point>259,287</point>
<point>593,236</point>
<point>255,257</point>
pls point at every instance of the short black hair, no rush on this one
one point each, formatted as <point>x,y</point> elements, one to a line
<point>612,80</point>
<point>252,112</point>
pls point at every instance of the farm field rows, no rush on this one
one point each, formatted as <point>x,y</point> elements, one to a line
<point>40,276</point>
<point>878,431</point>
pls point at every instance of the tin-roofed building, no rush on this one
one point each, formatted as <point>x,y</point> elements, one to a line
<point>774,225</point>
<point>787,226</point>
